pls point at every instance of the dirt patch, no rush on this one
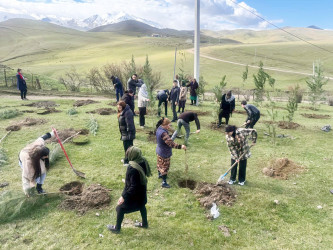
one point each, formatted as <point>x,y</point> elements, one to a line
<point>214,126</point>
<point>221,194</point>
<point>26,122</point>
<point>200,113</point>
<point>103,111</point>
<point>72,188</point>
<point>243,112</point>
<point>315,116</point>
<point>151,136</point>
<point>282,168</point>
<point>93,197</point>
<point>28,111</point>
<point>13,128</point>
<point>112,104</point>
<point>288,125</point>
<point>80,103</point>
<point>84,131</point>
<point>191,184</point>
<point>64,134</point>
<point>47,111</point>
<point>42,104</point>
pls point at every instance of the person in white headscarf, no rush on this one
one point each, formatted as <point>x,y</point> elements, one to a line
<point>143,100</point>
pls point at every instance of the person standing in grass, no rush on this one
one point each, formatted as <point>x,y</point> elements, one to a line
<point>162,97</point>
<point>182,97</point>
<point>143,103</point>
<point>193,90</point>
<point>117,84</point>
<point>21,84</point>
<point>239,150</point>
<point>174,99</point>
<point>126,126</point>
<point>134,196</point>
<point>164,149</point>
<point>184,120</point>
<point>128,99</point>
<point>253,114</point>
<point>34,161</point>
<point>227,106</point>
<point>133,83</point>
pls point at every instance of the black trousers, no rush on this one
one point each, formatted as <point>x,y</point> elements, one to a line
<point>181,106</point>
<point>242,170</point>
<point>121,211</point>
<point>127,144</point>
<point>225,115</point>
<point>142,111</point>
<point>165,107</point>
<point>23,94</point>
<point>253,122</point>
<point>174,111</point>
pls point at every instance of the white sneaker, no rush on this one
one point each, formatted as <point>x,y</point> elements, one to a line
<point>230,182</point>
<point>122,160</point>
<point>241,183</point>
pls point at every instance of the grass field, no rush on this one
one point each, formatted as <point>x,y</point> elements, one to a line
<point>176,219</point>
<point>49,51</point>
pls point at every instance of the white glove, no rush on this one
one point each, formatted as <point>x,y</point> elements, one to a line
<point>52,133</point>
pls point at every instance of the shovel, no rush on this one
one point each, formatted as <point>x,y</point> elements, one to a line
<point>78,173</point>
<point>221,178</point>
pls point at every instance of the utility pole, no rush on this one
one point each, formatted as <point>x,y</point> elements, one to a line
<point>197,43</point>
<point>174,66</point>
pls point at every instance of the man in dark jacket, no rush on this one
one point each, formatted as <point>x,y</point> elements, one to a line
<point>132,84</point>
<point>184,120</point>
<point>253,114</point>
<point>117,84</point>
<point>227,106</point>
<point>174,99</point>
<point>162,97</point>
<point>128,99</point>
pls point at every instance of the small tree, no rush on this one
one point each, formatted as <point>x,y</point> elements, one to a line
<point>129,69</point>
<point>260,80</point>
<point>72,80</point>
<point>292,102</point>
<point>273,115</point>
<point>151,79</point>
<point>316,83</point>
<point>201,89</point>
<point>218,90</point>
<point>245,74</point>
<point>99,82</point>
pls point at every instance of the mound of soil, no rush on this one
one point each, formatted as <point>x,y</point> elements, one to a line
<point>282,168</point>
<point>240,112</point>
<point>80,103</point>
<point>191,184</point>
<point>64,134</point>
<point>151,136</point>
<point>94,196</point>
<point>102,111</point>
<point>26,122</point>
<point>42,104</point>
<point>112,103</point>
<point>288,125</point>
<point>72,188</point>
<point>214,126</point>
<point>47,111</point>
<point>84,131</point>
<point>13,128</point>
<point>221,194</point>
<point>315,116</point>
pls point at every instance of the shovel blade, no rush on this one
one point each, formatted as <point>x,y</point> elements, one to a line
<point>80,174</point>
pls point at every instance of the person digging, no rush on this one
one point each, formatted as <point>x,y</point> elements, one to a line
<point>239,150</point>
<point>253,114</point>
<point>134,196</point>
<point>34,161</point>
<point>184,120</point>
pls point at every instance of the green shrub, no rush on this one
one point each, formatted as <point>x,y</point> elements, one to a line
<point>8,114</point>
<point>72,111</point>
<point>92,125</point>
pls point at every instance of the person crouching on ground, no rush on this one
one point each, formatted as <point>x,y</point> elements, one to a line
<point>143,103</point>
<point>34,161</point>
<point>253,114</point>
<point>126,126</point>
<point>118,86</point>
<point>184,120</point>
<point>134,196</point>
<point>164,149</point>
<point>239,150</point>
<point>162,97</point>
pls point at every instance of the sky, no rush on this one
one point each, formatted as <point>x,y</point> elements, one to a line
<point>179,14</point>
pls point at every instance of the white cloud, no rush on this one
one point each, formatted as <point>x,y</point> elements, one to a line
<point>178,14</point>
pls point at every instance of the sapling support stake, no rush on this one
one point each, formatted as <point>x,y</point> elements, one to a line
<point>5,136</point>
<point>186,168</point>
<point>78,173</point>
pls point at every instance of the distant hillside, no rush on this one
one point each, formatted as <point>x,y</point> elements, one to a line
<point>314,27</point>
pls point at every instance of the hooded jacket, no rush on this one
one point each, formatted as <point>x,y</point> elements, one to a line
<point>126,124</point>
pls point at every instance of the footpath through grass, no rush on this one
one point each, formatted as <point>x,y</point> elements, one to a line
<point>176,219</point>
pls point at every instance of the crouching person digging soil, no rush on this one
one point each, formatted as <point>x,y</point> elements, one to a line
<point>134,196</point>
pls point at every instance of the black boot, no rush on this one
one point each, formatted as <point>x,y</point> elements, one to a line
<point>164,182</point>
<point>39,189</point>
<point>159,174</point>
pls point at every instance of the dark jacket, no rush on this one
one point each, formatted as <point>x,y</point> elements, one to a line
<point>227,105</point>
<point>134,193</point>
<point>162,95</point>
<point>21,84</point>
<point>165,143</point>
<point>131,84</point>
<point>174,94</point>
<point>117,83</point>
<point>193,88</point>
<point>189,117</point>
<point>128,100</point>
<point>253,114</point>
<point>126,124</point>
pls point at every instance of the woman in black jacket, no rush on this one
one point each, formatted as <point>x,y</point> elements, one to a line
<point>21,84</point>
<point>126,126</point>
<point>134,196</point>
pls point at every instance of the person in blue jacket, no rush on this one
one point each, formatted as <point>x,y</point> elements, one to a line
<point>117,84</point>
<point>21,84</point>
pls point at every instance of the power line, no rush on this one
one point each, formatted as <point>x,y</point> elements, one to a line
<point>312,44</point>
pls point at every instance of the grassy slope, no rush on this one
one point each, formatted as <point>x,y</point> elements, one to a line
<point>295,223</point>
<point>51,50</point>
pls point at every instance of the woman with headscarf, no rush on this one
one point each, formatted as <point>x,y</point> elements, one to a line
<point>34,161</point>
<point>134,196</point>
<point>164,149</point>
<point>143,103</point>
<point>239,150</point>
<point>21,84</point>
<point>193,91</point>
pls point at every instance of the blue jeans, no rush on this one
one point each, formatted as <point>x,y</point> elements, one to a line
<point>186,125</point>
<point>40,179</point>
<point>119,92</point>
